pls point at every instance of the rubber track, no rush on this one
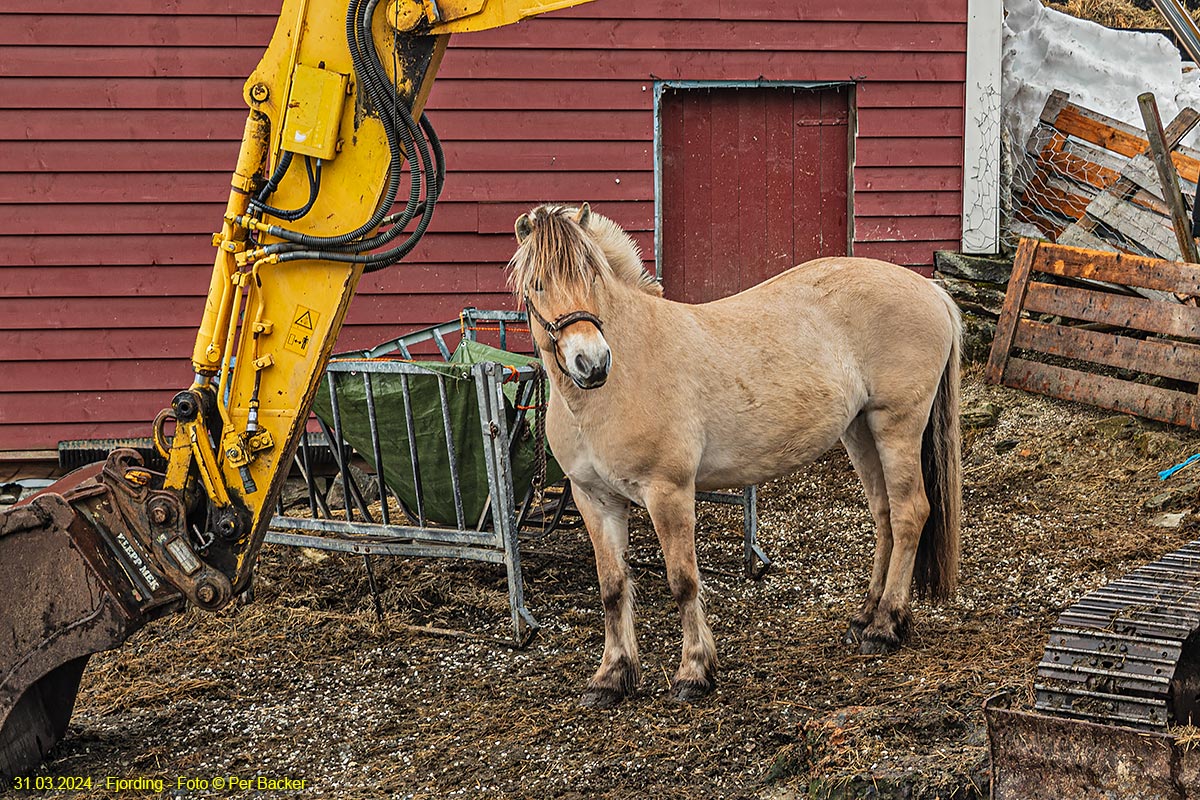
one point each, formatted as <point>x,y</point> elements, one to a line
<point>1112,657</point>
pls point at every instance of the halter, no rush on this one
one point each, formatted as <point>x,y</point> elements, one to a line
<point>561,323</point>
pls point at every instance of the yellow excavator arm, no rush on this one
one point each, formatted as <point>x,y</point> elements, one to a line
<point>334,141</point>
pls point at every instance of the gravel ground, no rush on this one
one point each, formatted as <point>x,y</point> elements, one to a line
<point>305,684</point>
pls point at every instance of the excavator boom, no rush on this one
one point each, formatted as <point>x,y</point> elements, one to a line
<point>335,139</point>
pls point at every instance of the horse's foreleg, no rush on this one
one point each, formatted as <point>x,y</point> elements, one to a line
<point>860,445</point>
<point>673,512</point>
<point>607,520</point>
<point>898,442</point>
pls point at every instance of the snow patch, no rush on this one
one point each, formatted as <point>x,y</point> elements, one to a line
<point>1102,69</point>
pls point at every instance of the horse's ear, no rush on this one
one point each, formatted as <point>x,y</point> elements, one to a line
<point>585,213</point>
<point>523,227</point>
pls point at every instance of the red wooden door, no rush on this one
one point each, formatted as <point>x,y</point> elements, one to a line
<point>754,181</point>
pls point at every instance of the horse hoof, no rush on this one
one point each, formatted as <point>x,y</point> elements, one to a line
<point>878,645</point>
<point>853,634</point>
<point>601,697</point>
<point>690,691</point>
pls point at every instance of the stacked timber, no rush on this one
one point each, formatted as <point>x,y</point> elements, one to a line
<point>1088,180</point>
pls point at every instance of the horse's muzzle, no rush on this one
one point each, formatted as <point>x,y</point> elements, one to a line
<point>587,374</point>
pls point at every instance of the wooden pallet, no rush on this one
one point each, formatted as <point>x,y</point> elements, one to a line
<point>1093,327</point>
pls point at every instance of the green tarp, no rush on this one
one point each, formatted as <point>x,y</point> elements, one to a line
<point>429,431</point>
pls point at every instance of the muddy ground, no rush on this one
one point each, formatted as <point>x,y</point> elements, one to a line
<point>305,683</point>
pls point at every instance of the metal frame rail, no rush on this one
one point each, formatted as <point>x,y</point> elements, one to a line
<point>493,537</point>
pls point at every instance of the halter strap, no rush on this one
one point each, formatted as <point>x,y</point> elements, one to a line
<point>561,323</point>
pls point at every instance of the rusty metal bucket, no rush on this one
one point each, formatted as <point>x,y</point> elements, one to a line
<point>1040,757</point>
<point>66,595</point>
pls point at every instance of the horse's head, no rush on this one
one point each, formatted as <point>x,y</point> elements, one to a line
<point>559,271</point>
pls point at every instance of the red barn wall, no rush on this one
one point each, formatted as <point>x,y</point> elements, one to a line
<point>119,124</point>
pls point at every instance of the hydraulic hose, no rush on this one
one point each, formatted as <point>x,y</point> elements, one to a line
<point>417,141</point>
<point>314,188</point>
<point>353,27</point>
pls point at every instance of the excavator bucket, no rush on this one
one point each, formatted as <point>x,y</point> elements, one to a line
<point>1120,671</point>
<point>75,584</point>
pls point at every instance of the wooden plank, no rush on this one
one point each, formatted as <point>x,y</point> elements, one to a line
<point>917,255</point>
<point>905,229</point>
<point>50,61</point>
<point>1091,126</point>
<point>160,374</point>
<point>1055,103</point>
<point>1084,167</point>
<point>36,436</point>
<point>807,192</point>
<point>835,171</point>
<point>163,313</point>
<point>717,65</point>
<point>124,156</point>
<point>892,94</point>
<point>907,179</point>
<point>1113,309</point>
<point>91,92</point>
<point>153,30</point>
<point>726,265</point>
<point>166,249</point>
<point>887,152</point>
<point>1089,164</point>
<point>912,121</point>
<point>1075,236</point>
<point>130,344</point>
<point>753,210</point>
<point>1048,224</point>
<point>847,36</point>
<point>206,7</point>
<point>1126,397</point>
<point>1168,177</point>
<point>869,203</point>
<point>913,11</point>
<point>790,62</point>
<point>1010,313</point>
<point>194,187</point>
<point>1122,268</point>
<point>697,154</point>
<point>1178,360</point>
<point>779,174</point>
<point>190,125</point>
<point>1137,224</point>
<point>1045,192</point>
<point>1142,172</point>
<point>218,157</point>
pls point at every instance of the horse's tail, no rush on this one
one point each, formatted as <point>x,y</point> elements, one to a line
<point>936,568</point>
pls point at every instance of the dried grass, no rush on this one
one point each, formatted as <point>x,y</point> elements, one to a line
<point>305,682</point>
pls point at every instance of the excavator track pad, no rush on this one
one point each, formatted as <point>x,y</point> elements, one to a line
<point>1121,667</point>
<point>76,582</point>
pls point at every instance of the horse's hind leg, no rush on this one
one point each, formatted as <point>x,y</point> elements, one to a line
<point>607,520</point>
<point>860,445</point>
<point>673,512</point>
<point>898,442</point>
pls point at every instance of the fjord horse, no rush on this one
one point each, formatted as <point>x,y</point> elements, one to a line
<point>651,400</point>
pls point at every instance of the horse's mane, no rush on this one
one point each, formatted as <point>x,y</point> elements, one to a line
<point>558,250</point>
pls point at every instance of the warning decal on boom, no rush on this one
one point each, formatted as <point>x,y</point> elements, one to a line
<point>300,333</point>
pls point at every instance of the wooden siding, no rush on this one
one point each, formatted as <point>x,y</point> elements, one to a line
<point>119,123</point>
